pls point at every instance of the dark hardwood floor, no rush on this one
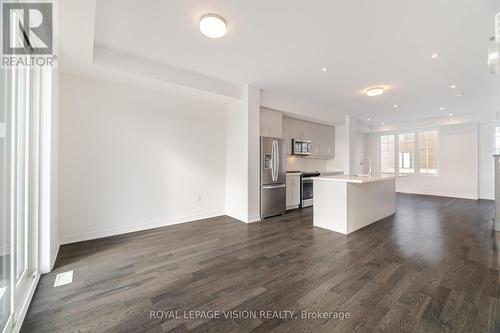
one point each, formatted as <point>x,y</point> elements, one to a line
<point>431,267</point>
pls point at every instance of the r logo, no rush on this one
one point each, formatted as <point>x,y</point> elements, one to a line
<point>27,28</point>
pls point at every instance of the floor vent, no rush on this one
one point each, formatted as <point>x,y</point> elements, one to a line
<point>63,278</point>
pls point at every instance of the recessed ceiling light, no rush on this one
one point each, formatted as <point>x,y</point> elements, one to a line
<point>368,119</point>
<point>382,123</point>
<point>395,106</point>
<point>435,55</point>
<point>450,114</point>
<point>377,91</point>
<point>324,69</point>
<point>441,108</point>
<point>213,26</point>
<point>453,86</point>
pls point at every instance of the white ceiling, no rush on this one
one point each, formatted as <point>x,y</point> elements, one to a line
<point>282,45</point>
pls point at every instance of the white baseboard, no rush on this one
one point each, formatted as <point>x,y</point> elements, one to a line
<point>487,197</point>
<point>252,219</point>
<point>237,217</point>
<point>442,194</point>
<point>54,257</point>
<point>67,239</point>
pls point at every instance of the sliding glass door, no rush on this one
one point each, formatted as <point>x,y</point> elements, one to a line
<point>19,189</point>
<point>5,223</point>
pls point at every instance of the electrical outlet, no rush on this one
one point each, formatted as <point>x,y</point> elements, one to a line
<point>63,278</point>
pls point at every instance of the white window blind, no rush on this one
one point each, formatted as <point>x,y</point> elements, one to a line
<point>387,162</point>
<point>497,140</point>
<point>407,153</point>
<point>428,155</point>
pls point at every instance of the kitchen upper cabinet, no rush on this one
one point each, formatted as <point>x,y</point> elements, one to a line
<point>292,191</point>
<point>271,123</point>
<point>288,134</point>
<point>322,137</point>
<point>326,139</point>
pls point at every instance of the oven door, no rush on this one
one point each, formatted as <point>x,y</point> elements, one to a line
<point>306,193</point>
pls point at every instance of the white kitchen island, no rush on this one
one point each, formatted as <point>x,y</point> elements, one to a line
<point>347,203</point>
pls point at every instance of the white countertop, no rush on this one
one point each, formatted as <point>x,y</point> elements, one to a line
<point>321,172</point>
<point>354,179</point>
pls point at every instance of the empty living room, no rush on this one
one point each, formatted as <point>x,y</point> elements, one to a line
<point>249,166</point>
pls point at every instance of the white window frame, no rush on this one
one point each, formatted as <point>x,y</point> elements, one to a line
<point>415,157</point>
<point>495,151</point>
<point>417,151</point>
<point>437,152</point>
<point>380,152</point>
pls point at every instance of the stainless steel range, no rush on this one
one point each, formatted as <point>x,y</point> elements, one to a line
<point>306,188</point>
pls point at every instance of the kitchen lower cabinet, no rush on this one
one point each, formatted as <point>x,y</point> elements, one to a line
<point>292,191</point>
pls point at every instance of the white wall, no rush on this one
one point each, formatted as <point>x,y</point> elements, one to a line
<point>251,98</point>
<point>348,143</point>
<point>360,153</point>
<point>340,162</point>
<point>458,164</point>
<point>300,109</point>
<point>243,157</point>
<point>236,162</point>
<point>132,159</point>
<point>49,175</point>
<point>486,167</point>
<point>372,151</point>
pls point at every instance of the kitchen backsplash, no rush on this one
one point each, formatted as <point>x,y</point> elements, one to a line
<point>305,164</point>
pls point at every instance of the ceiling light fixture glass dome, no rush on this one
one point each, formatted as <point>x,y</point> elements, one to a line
<point>376,91</point>
<point>213,26</point>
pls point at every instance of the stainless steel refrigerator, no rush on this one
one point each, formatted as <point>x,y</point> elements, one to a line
<point>272,177</point>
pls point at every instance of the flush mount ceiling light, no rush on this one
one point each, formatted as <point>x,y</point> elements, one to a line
<point>441,108</point>
<point>395,106</point>
<point>377,91</point>
<point>213,26</point>
<point>324,69</point>
<point>460,95</point>
<point>368,119</point>
<point>382,123</point>
<point>453,86</point>
<point>435,55</point>
<point>450,115</point>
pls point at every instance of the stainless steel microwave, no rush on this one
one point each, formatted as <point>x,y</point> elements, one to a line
<point>301,147</point>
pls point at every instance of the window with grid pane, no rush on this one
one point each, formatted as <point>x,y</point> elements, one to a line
<point>428,157</point>
<point>387,154</point>
<point>497,140</point>
<point>406,153</point>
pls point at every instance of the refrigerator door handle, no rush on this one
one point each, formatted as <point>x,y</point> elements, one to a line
<point>269,187</point>
<point>272,161</point>
<point>277,160</point>
<point>273,172</point>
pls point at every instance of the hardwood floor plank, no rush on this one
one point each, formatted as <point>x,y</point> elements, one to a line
<point>432,267</point>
